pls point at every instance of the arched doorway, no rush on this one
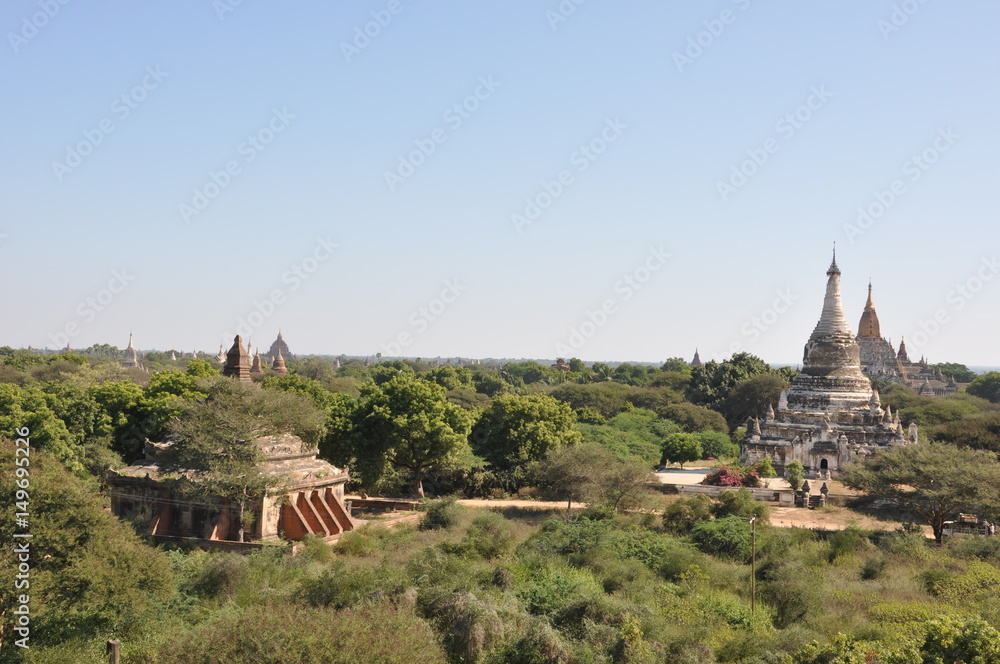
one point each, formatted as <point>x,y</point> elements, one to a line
<point>824,465</point>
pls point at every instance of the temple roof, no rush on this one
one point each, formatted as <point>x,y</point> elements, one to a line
<point>869,326</point>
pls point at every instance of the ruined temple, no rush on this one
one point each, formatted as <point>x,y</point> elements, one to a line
<point>306,498</point>
<point>237,361</point>
<point>830,416</point>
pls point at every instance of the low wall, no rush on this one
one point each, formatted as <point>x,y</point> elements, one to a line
<point>701,489</point>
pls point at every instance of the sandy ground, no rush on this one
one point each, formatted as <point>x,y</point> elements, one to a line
<point>829,518</point>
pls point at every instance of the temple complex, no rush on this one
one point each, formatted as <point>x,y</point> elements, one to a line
<point>279,345</point>
<point>880,360</point>
<point>830,416</point>
<point>308,499</point>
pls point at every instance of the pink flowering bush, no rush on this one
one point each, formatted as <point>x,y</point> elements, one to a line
<point>733,476</point>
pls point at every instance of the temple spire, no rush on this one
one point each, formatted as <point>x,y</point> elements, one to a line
<point>832,319</point>
<point>869,326</point>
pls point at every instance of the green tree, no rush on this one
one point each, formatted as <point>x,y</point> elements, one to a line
<point>516,430</point>
<point>981,433</point>
<point>27,407</point>
<point>692,418</point>
<point>589,473</point>
<point>959,372</point>
<point>90,573</point>
<point>450,378</point>
<point>681,448</point>
<point>712,382</point>
<point>408,423</point>
<point>489,383</point>
<point>751,396</point>
<point>986,386</point>
<point>199,367</point>
<point>715,445</point>
<point>608,399</point>
<point>571,473</point>
<point>216,454</point>
<point>678,364</point>
<point>794,473</point>
<point>933,480</point>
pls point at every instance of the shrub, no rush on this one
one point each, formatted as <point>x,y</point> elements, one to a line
<point>470,626</point>
<point>682,515</point>
<point>846,541</point>
<point>346,584</point>
<point>874,568</point>
<point>441,513</point>
<point>728,537</point>
<point>281,634</point>
<point>489,536</point>
<point>732,476</point>
<point>742,504</point>
<point>794,474</point>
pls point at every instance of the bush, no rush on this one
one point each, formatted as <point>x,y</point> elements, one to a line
<point>742,504</point>
<point>682,515</point>
<point>489,536</point>
<point>874,568</point>
<point>282,634</point>
<point>441,513</point>
<point>345,584</point>
<point>471,627</point>
<point>728,537</point>
<point>732,476</point>
<point>846,541</point>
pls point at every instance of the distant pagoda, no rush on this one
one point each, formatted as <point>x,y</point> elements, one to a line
<point>237,362</point>
<point>279,345</point>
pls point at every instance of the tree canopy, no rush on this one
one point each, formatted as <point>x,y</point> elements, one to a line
<point>407,423</point>
<point>515,429</point>
<point>934,480</point>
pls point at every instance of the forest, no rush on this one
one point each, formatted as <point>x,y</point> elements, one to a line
<point>635,577</point>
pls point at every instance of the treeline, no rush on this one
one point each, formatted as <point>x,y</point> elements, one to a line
<point>401,426</point>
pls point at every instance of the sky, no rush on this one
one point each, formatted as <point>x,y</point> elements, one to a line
<point>615,181</point>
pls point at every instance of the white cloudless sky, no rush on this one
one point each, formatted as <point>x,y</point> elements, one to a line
<point>627,124</point>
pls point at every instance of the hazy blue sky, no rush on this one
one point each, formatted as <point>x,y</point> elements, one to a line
<point>382,189</point>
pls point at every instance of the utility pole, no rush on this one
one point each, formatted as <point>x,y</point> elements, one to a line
<point>753,566</point>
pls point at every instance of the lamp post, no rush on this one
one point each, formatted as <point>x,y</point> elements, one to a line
<point>753,566</point>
